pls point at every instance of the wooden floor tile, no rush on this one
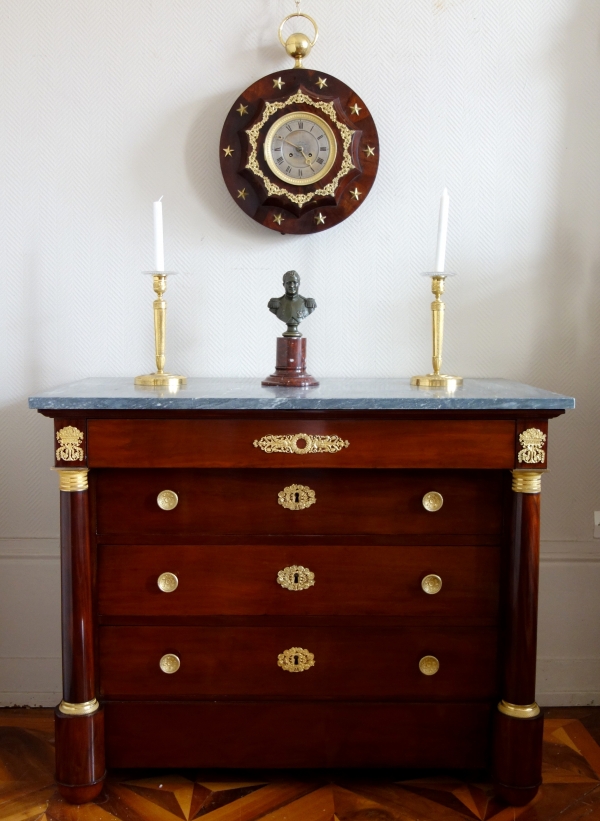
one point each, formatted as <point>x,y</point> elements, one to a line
<point>570,792</point>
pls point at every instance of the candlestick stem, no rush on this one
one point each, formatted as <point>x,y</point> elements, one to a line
<point>159,284</point>
<point>437,311</point>
<point>160,379</point>
<point>437,379</point>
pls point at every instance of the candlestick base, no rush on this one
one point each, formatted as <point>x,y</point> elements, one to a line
<point>437,380</point>
<point>160,380</point>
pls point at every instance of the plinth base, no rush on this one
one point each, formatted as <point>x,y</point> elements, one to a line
<point>290,370</point>
<point>160,380</point>
<point>437,380</point>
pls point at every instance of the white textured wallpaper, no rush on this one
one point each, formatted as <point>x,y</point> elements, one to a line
<point>108,104</point>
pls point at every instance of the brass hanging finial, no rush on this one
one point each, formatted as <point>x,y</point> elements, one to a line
<point>298,45</point>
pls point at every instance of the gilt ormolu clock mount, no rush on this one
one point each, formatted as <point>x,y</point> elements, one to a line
<point>299,149</point>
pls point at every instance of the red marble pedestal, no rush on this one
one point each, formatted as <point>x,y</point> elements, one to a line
<point>290,370</point>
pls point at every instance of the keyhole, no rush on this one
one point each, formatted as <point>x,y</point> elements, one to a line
<point>295,661</point>
<point>296,497</point>
<point>296,578</point>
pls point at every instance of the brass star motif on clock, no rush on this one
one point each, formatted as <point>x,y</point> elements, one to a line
<point>355,109</point>
<point>369,151</point>
<point>320,219</point>
<point>278,83</point>
<point>355,194</point>
<point>228,151</point>
<point>322,82</point>
<point>278,218</point>
<point>242,194</point>
<point>243,109</point>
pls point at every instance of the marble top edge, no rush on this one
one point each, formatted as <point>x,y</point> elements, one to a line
<point>207,393</point>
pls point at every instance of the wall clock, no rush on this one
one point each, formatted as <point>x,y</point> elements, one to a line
<point>299,148</point>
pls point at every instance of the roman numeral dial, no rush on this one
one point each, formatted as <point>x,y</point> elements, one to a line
<point>300,148</point>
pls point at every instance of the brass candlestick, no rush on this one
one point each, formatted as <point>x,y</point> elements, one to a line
<point>160,379</point>
<point>437,379</point>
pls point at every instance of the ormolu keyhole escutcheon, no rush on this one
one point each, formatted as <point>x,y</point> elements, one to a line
<point>295,660</point>
<point>296,497</point>
<point>296,577</point>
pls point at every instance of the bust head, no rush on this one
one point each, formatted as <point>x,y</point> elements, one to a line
<point>291,283</point>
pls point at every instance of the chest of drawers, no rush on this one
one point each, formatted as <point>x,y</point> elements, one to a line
<point>330,584</point>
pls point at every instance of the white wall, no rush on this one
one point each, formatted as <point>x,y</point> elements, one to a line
<point>107,104</point>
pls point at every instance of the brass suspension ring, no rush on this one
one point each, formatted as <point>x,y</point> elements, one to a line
<point>298,14</point>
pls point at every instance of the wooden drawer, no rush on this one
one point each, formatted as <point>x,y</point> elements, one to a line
<point>348,580</point>
<point>363,663</point>
<point>307,735</point>
<point>347,502</point>
<point>153,443</point>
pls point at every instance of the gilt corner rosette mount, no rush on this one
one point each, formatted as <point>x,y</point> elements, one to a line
<point>299,148</point>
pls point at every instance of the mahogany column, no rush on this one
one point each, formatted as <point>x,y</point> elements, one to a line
<point>79,719</point>
<point>518,722</point>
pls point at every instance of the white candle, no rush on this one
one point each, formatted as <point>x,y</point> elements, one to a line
<point>159,246</point>
<point>440,254</point>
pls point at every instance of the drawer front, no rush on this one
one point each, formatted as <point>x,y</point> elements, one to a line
<point>346,580</point>
<point>371,443</point>
<point>343,502</point>
<point>243,662</point>
<point>284,734</point>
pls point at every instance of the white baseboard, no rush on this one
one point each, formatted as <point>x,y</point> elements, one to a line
<point>30,699</point>
<point>30,682</point>
<point>568,682</point>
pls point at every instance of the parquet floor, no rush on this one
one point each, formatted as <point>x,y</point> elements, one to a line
<point>570,792</point>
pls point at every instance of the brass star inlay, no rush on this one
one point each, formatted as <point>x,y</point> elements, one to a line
<point>278,83</point>
<point>320,219</point>
<point>243,109</point>
<point>242,194</point>
<point>355,109</point>
<point>228,151</point>
<point>355,194</point>
<point>369,151</point>
<point>278,218</point>
<point>322,82</point>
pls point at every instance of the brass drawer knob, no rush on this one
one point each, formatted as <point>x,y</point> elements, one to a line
<point>433,501</point>
<point>167,582</point>
<point>167,500</point>
<point>295,660</point>
<point>170,663</point>
<point>429,665</point>
<point>296,497</point>
<point>296,577</point>
<point>431,584</point>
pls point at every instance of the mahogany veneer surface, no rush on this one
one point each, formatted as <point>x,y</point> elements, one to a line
<point>347,501</point>
<point>215,443</point>
<point>242,661</point>
<point>350,580</point>
<point>297,734</point>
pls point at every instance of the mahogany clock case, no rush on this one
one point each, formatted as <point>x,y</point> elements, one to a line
<point>276,210</point>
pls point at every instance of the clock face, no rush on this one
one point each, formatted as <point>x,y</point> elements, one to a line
<point>300,148</point>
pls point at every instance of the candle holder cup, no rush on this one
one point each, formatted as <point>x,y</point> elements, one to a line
<point>437,379</point>
<point>160,379</point>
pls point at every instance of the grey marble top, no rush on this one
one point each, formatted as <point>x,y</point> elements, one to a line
<point>106,393</point>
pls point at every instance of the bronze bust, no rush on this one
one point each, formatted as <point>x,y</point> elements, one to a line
<point>292,307</point>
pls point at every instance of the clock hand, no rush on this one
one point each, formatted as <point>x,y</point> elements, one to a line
<point>298,148</point>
